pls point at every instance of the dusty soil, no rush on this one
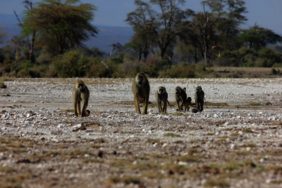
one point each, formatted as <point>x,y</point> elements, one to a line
<point>235,142</point>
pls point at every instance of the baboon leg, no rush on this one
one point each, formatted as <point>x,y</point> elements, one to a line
<point>179,108</point>
<point>136,104</point>
<point>145,105</point>
<point>79,109</point>
<point>165,106</point>
<point>85,104</point>
<point>202,106</point>
<point>75,108</point>
<point>159,106</point>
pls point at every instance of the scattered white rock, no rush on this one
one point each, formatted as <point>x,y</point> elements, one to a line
<point>61,125</point>
<point>233,146</point>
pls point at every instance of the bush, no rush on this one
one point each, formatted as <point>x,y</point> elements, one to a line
<point>179,71</point>
<point>71,64</point>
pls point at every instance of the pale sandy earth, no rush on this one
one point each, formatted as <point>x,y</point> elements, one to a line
<point>236,145</point>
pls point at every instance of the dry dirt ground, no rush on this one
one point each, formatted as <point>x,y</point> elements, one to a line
<point>235,142</point>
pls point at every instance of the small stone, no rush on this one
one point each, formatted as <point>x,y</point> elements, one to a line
<point>164,145</point>
<point>42,138</point>
<point>248,148</point>
<point>155,144</point>
<point>233,146</point>
<point>182,163</point>
<point>54,140</point>
<point>215,116</point>
<point>87,155</point>
<point>61,126</point>
<point>261,160</point>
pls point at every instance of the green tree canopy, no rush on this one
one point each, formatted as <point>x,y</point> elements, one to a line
<point>63,24</point>
<point>257,37</point>
<point>160,26</point>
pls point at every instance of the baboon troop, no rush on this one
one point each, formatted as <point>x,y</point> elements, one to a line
<point>141,91</point>
<point>80,93</point>
<point>180,97</point>
<point>199,98</point>
<point>161,97</point>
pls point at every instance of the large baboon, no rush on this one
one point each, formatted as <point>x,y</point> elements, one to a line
<point>180,97</point>
<point>80,93</point>
<point>187,104</point>
<point>199,98</point>
<point>161,97</point>
<point>141,92</point>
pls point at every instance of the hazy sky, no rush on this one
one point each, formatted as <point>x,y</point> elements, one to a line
<point>266,13</point>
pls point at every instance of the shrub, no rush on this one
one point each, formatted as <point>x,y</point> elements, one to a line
<point>179,71</point>
<point>71,64</point>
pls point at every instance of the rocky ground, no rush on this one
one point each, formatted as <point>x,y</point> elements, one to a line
<point>235,142</point>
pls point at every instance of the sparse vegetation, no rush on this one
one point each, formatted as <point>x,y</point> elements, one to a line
<point>171,135</point>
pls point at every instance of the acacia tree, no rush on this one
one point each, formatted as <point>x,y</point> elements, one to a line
<point>228,15</point>
<point>27,30</point>
<point>256,37</point>
<point>159,27</point>
<point>63,24</point>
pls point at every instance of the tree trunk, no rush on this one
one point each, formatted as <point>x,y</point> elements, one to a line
<point>139,54</point>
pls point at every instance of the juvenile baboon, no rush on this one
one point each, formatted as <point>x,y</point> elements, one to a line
<point>199,98</point>
<point>161,97</point>
<point>80,93</point>
<point>187,104</point>
<point>180,97</point>
<point>141,92</point>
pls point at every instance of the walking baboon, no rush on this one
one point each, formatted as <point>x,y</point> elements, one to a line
<point>141,92</point>
<point>80,93</point>
<point>187,104</point>
<point>180,97</point>
<point>199,98</point>
<point>161,97</point>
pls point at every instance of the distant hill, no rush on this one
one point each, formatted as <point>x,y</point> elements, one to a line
<point>107,34</point>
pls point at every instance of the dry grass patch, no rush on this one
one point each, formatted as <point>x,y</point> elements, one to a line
<point>175,169</point>
<point>145,166</point>
<point>254,104</point>
<point>276,152</point>
<point>188,159</point>
<point>216,183</point>
<point>153,140</point>
<point>215,104</point>
<point>6,169</point>
<point>13,181</point>
<point>171,135</point>
<point>120,163</point>
<point>247,130</point>
<point>127,180</point>
<point>93,161</point>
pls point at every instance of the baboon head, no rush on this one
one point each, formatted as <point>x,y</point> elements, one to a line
<point>140,79</point>
<point>161,90</point>
<point>178,90</point>
<point>198,88</point>
<point>80,85</point>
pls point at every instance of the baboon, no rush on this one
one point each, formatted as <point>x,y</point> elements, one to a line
<point>161,97</point>
<point>199,98</point>
<point>141,92</point>
<point>80,93</point>
<point>180,97</point>
<point>187,104</point>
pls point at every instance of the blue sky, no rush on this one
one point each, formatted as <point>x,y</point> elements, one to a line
<point>266,13</point>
